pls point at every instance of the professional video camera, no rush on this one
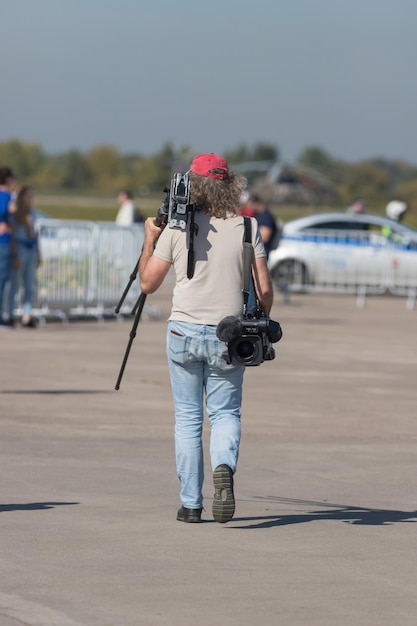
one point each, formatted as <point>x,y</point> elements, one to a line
<point>176,206</point>
<point>249,339</point>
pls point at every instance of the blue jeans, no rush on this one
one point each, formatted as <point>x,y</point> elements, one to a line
<point>5,269</point>
<point>197,367</point>
<point>28,258</point>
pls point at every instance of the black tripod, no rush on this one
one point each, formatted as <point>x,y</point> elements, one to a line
<point>137,312</point>
<point>160,220</point>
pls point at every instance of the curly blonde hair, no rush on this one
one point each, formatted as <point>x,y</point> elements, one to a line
<point>218,197</point>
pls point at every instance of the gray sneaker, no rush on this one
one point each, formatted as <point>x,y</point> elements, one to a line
<point>224,499</point>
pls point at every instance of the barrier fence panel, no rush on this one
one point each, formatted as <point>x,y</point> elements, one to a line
<point>402,276</point>
<point>117,253</point>
<point>341,267</point>
<point>66,250</point>
<point>86,266</point>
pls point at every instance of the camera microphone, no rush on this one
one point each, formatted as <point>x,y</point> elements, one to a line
<point>229,328</point>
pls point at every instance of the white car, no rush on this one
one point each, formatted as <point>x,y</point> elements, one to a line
<point>343,251</point>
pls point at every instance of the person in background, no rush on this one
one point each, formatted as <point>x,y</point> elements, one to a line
<point>245,209</point>
<point>6,189</point>
<point>201,377</point>
<point>396,210</point>
<point>266,221</point>
<point>25,247</point>
<point>127,214</point>
<point>358,206</point>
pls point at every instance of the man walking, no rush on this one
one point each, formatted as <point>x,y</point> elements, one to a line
<point>196,357</point>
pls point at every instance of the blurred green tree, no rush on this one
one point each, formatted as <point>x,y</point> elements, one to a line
<point>75,170</point>
<point>105,170</point>
<point>24,158</point>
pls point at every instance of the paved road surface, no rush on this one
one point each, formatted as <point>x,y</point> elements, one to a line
<point>326,488</point>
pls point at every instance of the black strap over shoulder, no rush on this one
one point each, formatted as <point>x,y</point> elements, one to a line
<point>248,229</point>
<point>193,231</point>
<point>247,260</point>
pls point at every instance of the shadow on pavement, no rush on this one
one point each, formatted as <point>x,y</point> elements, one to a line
<point>33,506</point>
<point>56,392</point>
<point>347,514</point>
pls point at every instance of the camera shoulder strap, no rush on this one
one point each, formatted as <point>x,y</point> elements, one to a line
<point>193,231</point>
<point>247,259</point>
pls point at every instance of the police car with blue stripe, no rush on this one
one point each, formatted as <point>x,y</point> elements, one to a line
<point>345,251</point>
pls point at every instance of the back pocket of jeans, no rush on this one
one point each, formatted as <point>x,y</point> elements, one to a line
<point>178,347</point>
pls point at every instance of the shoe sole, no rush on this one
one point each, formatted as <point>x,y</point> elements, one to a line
<point>189,520</point>
<point>224,499</point>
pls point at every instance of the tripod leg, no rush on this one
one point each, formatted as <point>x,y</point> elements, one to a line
<point>132,278</point>
<point>140,304</point>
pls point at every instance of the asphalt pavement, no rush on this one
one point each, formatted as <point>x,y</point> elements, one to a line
<point>326,487</point>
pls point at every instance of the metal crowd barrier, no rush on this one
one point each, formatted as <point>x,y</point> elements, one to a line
<point>85,268</point>
<point>87,265</point>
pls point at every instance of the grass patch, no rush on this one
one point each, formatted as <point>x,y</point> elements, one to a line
<point>97,209</point>
<point>95,214</point>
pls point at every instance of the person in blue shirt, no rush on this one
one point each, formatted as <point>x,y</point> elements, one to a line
<point>6,187</point>
<point>268,230</point>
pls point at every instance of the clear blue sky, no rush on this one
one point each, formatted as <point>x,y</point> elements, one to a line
<point>211,75</point>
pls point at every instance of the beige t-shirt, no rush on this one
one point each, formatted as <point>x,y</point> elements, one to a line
<point>216,287</point>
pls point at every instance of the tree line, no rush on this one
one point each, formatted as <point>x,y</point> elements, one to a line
<point>105,170</point>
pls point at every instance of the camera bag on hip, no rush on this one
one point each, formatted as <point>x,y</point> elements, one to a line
<point>249,338</point>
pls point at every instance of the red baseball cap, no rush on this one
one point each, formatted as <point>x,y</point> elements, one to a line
<point>210,165</point>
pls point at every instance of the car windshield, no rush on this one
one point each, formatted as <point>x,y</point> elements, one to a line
<point>356,225</point>
<point>334,225</point>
